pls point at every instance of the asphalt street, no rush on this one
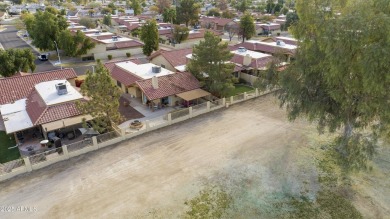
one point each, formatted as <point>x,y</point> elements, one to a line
<point>9,39</point>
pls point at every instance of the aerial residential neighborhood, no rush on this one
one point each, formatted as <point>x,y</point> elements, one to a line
<point>195,109</point>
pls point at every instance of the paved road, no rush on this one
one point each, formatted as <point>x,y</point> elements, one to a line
<point>9,39</point>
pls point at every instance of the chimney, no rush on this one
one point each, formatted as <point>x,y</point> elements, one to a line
<point>247,60</point>
<point>155,82</point>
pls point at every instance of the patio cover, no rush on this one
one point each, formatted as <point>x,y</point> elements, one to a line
<point>64,122</point>
<point>193,94</point>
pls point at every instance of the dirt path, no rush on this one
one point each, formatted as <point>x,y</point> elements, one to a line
<point>151,176</point>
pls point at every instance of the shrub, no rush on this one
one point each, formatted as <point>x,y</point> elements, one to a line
<point>128,55</point>
<point>109,57</point>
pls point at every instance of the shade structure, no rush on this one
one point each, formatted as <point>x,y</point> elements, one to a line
<point>89,131</point>
<point>193,94</point>
<point>64,123</point>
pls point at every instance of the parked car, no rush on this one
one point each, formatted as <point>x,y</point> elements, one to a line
<point>43,57</point>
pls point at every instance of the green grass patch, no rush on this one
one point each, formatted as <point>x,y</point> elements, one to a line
<point>6,154</point>
<point>239,89</point>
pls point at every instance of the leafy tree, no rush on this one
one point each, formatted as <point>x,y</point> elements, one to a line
<point>45,28</point>
<point>169,15</point>
<point>227,14</point>
<point>107,20</point>
<point>163,5</point>
<point>28,21</point>
<point>222,5</point>
<point>340,76</point>
<point>52,10</point>
<point>121,10</point>
<point>87,22</point>
<point>14,60</point>
<point>75,44</point>
<point>211,57</point>
<point>188,11</point>
<point>243,6</point>
<point>247,27</point>
<point>103,100</point>
<point>112,6</point>
<point>180,33</point>
<point>291,18</point>
<point>106,11</point>
<point>149,35</point>
<point>136,6</point>
<point>214,12</point>
<point>63,12</point>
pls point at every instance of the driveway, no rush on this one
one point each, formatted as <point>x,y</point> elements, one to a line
<point>9,39</point>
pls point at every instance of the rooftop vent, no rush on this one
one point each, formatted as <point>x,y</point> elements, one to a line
<point>156,69</point>
<point>97,33</point>
<point>280,43</point>
<point>114,38</point>
<point>61,89</point>
<point>241,49</point>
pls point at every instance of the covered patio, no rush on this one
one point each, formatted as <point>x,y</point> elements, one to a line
<point>194,97</point>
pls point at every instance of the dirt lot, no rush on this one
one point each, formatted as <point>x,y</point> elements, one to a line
<point>250,147</point>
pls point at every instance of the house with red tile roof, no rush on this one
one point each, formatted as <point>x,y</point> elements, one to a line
<point>215,23</point>
<point>272,48</point>
<point>111,44</point>
<point>49,106</point>
<point>151,83</point>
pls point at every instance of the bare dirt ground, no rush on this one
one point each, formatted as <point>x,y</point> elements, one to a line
<point>249,147</point>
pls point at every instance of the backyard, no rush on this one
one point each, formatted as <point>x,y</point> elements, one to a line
<point>265,163</point>
<point>239,89</point>
<point>6,154</point>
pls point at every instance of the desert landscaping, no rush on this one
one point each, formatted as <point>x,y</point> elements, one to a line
<point>250,150</point>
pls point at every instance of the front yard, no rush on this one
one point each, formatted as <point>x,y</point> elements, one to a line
<point>239,89</point>
<point>6,154</point>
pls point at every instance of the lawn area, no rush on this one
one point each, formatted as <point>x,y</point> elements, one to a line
<point>5,153</point>
<point>239,89</point>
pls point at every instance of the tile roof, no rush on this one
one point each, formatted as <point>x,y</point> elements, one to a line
<point>19,87</point>
<point>128,44</point>
<point>169,85</point>
<point>174,57</point>
<point>201,32</point>
<point>217,20</point>
<point>123,76</point>
<point>40,113</point>
<point>255,63</point>
<point>263,47</point>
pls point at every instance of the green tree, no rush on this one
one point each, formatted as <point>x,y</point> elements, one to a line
<point>103,97</point>
<point>45,28</point>
<point>163,5</point>
<point>107,20</point>
<point>112,6</point>
<point>180,33</point>
<point>106,11</point>
<point>291,18</point>
<point>222,5</point>
<point>227,14</point>
<point>87,22</point>
<point>136,6</point>
<point>214,12</point>
<point>14,60</point>
<point>340,76</point>
<point>211,57</point>
<point>247,27</point>
<point>187,12</point>
<point>149,35</point>
<point>169,15</point>
<point>243,6</point>
<point>52,10</point>
<point>75,44</point>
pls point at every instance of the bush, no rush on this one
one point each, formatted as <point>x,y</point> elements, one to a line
<point>109,57</point>
<point>128,55</point>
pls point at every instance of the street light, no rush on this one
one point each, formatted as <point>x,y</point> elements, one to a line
<point>58,54</point>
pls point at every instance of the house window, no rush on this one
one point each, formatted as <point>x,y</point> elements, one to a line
<point>119,84</point>
<point>163,66</point>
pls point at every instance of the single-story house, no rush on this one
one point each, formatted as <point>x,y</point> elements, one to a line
<point>272,48</point>
<point>153,84</point>
<point>215,23</point>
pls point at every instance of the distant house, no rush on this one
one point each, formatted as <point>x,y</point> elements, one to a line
<point>194,37</point>
<point>215,23</point>
<point>45,101</point>
<point>273,48</point>
<point>151,83</point>
<point>174,60</point>
<point>267,28</point>
<point>110,44</point>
